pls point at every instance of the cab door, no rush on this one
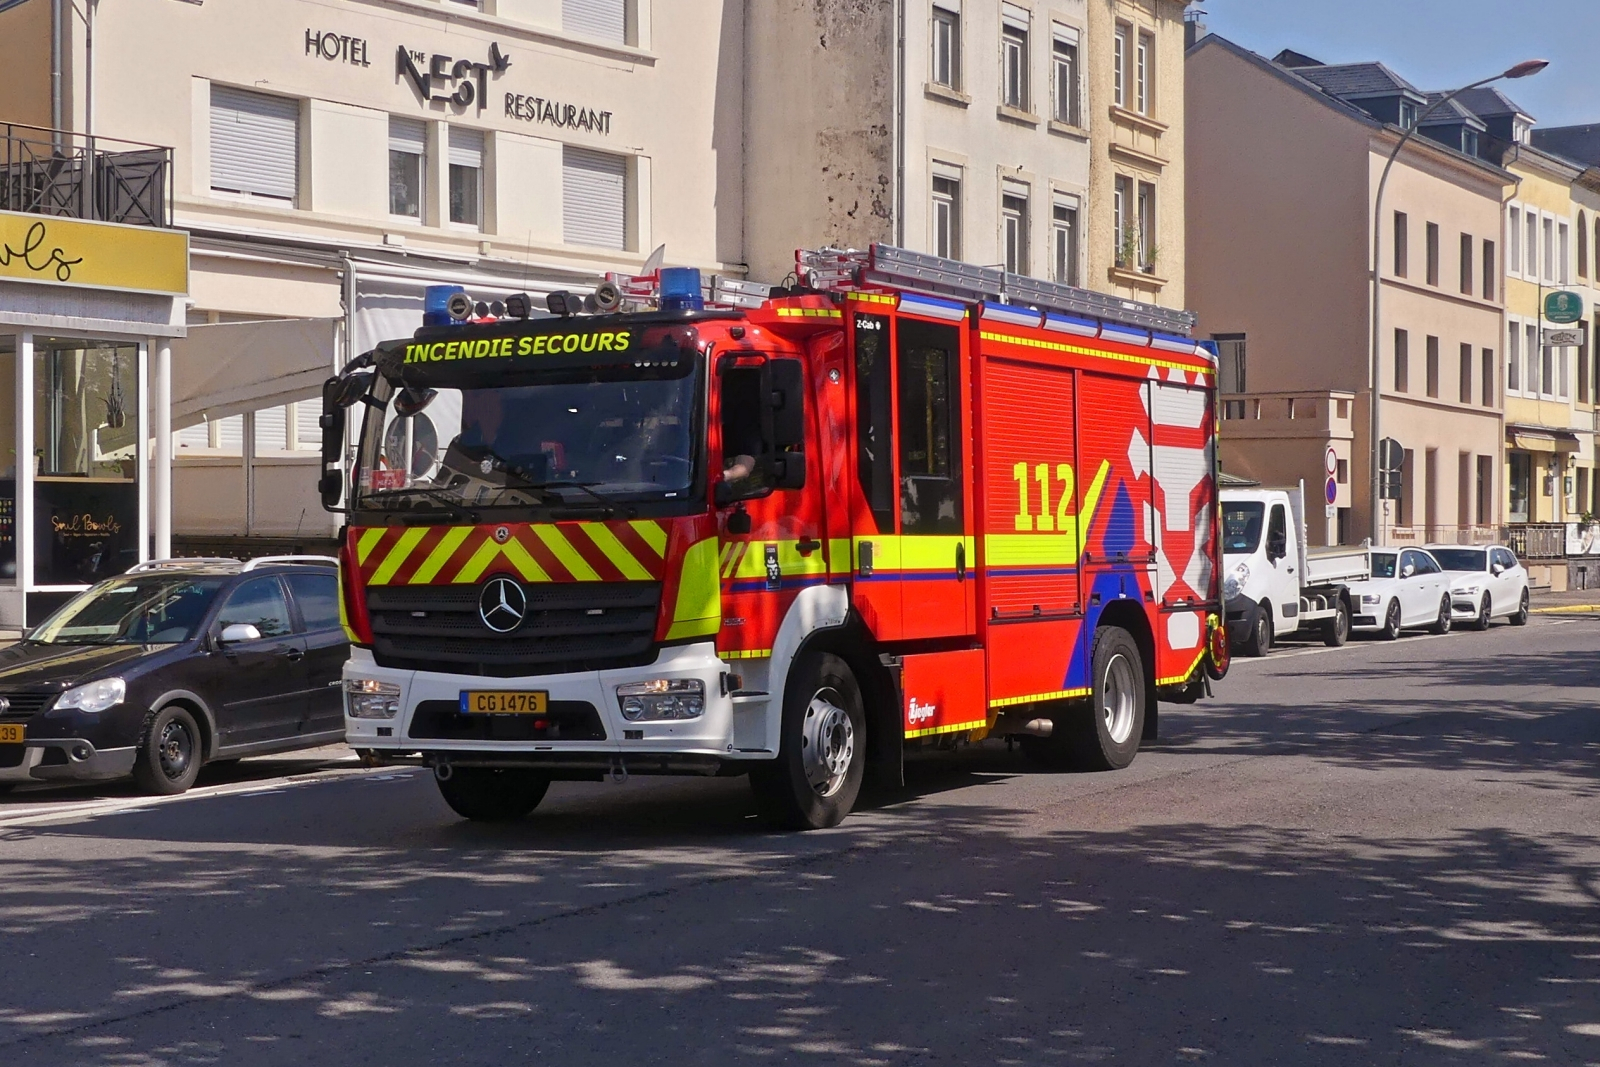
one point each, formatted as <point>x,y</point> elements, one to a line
<point>1283,584</point>
<point>937,556</point>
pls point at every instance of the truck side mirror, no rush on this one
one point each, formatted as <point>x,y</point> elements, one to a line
<point>330,483</point>
<point>784,383</point>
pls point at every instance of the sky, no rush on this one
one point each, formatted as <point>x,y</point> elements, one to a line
<point>1438,44</point>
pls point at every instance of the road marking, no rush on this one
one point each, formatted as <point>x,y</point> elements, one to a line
<point>66,811</point>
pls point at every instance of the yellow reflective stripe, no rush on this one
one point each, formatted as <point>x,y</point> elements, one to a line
<point>619,556</point>
<point>473,569</point>
<point>873,298</point>
<point>1059,694</point>
<point>1186,675</point>
<point>838,555</point>
<point>749,653</point>
<point>398,554</point>
<point>809,313</point>
<point>568,556</point>
<point>653,534</point>
<point>1031,550</point>
<point>440,555</point>
<point>1091,501</point>
<point>344,618</point>
<point>933,552</point>
<point>952,728</point>
<point>1098,353</point>
<point>753,563</point>
<point>526,565</point>
<point>698,610</point>
<point>885,552</point>
<point>367,542</point>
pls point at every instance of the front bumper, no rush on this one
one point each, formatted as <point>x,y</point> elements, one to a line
<point>63,759</point>
<point>1240,613</point>
<point>699,745</point>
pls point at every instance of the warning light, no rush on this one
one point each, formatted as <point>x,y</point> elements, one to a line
<point>680,289</point>
<point>436,304</point>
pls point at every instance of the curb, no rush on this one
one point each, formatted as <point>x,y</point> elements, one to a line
<point>1568,609</point>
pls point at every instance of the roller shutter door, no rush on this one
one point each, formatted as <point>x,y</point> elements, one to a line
<point>606,20</point>
<point>594,188</point>
<point>254,143</point>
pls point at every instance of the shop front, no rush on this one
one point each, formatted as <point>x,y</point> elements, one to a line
<point>87,313</point>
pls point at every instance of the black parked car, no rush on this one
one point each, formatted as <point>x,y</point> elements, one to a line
<point>175,664</point>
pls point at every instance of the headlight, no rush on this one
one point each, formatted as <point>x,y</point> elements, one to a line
<point>1233,585</point>
<point>368,698</point>
<point>1230,588</point>
<point>661,699</point>
<point>1370,598</point>
<point>1466,590</point>
<point>94,697</point>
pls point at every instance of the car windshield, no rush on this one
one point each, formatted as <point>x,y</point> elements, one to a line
<point>1241,525</point>
<point>147,609</point>
<point>1383,564</point>
<point>1460,559</point>
<point>586,436</point>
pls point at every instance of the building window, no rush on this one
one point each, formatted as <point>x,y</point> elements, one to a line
<point>466,176</point>
<point>1485,488</point>
<point>1519,485</point>
<point>1431,346</point>
<point>1014,227</point>
<point>606,20</point>
<point>1487,388</point>
<point>1541,362</point>
<point>1583,363</point>
<point>1064,239</point>
<point>1144,74</point>
<point>1064,60</point>
<point>1126,234</point>
<point>1469,140</point>
<point>594,198</point>
<point>255,144</point>
<point>1466,374</point>
<point>1549,237</point>
<point>1583,245</point>
<point>1408,114</point>
<point>1121,46</point>
<point>946,47</point>
<point>1401,252</point>
<point>1147,227</point>
<point>1402,361</point>
<point>1466,264</point>
<point>1514,359</point>
<point>1432,236</point>
<point>1514,240</point>
<point>408,168</point>
<point>946,215</point>
<point>1014,56</point>
<point>1488,271</point>
<point>1230,362</point>
<point>1563,254</point>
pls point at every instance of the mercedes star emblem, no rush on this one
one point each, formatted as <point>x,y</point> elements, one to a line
<point>502,604</point>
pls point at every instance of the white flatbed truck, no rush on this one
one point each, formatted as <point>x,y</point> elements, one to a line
<point>1273,585</point>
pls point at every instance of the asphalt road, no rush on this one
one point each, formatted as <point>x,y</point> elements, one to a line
<point>1382,854</point>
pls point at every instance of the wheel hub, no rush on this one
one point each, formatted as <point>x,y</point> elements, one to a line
<point>827,744</point>
<point>1117,691</point>
<point>175,750</point>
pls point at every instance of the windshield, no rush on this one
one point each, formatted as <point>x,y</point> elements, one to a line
<point>586,437</point>
<point>151,609</point>
<point>1460,559</point>
<point>1383,564</point>
<point>1241,525</point>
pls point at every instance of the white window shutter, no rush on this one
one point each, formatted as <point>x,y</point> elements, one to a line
<point>606,20</point>
<point>255,143</point>
<point>594,198</point>
<point>466,147</point>
<point>1015,15</point>
<point>408,135</point>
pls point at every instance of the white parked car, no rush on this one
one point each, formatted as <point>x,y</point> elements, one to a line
<point>1408,590</point>
<point>1485,583</point>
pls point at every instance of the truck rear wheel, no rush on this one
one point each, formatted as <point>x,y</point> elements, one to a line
<point>822,752</point>
<point>1260,640</point>
<point>493,794</point>
<point>1336,630</point>
<point>1102,735</point>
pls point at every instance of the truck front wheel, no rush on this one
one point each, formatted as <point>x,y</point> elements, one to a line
<point>493,794</point>
<point>822,752</point>
<point>1260,639</point>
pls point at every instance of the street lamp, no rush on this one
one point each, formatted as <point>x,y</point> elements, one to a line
<point>1521,70</point>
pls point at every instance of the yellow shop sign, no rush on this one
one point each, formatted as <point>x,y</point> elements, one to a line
<point>98,255</point>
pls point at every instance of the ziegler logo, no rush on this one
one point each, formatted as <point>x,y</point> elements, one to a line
<point>921,712</point>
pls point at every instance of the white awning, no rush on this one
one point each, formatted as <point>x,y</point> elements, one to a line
<point>229,368</point>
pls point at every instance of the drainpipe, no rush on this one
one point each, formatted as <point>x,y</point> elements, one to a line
<point>55,68</point>
<point>898,224</point>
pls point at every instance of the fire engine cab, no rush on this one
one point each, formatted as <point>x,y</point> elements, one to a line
<point>789,532</point>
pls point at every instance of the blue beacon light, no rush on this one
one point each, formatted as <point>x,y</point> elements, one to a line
<point>435,304</point>
<point>680,289</point>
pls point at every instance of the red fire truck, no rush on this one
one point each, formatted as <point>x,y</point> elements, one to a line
<point>783,532</point>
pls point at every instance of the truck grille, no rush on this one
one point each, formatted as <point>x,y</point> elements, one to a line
<point>576,626</point>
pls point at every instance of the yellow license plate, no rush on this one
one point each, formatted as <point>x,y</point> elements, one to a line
<point>502,702</point>
<point>12,733</point>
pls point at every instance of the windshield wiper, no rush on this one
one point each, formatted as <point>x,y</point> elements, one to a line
<point>438,496</point>
<point>583,487</point>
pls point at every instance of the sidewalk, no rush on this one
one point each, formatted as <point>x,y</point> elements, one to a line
<point>1570,602</point>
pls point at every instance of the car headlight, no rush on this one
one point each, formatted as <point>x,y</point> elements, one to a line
<point>94,697</point>
<point>661,699</point>
<point>368,698</point>
<point>1466,590</point>
<point>1370,598</point>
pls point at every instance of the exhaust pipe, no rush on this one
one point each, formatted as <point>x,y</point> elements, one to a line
<point>442,770</point>
<point>1038,727</point>
<point>619,772</point>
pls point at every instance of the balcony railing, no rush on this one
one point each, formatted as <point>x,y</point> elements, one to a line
<point>1537,540</point>
<point>53,172</point>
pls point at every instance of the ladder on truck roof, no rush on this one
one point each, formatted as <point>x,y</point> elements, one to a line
<point>881,265</point>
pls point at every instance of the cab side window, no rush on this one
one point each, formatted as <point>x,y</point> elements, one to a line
<point>1277,532</point>
<point>930,428</point>
<point>743,442</point>
<point>874,406</point>
<point>317,596</point>
<point>260,603</point>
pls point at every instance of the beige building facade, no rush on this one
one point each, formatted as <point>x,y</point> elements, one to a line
<point>1283,174</point>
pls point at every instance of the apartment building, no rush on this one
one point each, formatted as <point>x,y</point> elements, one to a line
<point>1284,160</point>
<point>1038,135</point>
<point>331,159</point>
